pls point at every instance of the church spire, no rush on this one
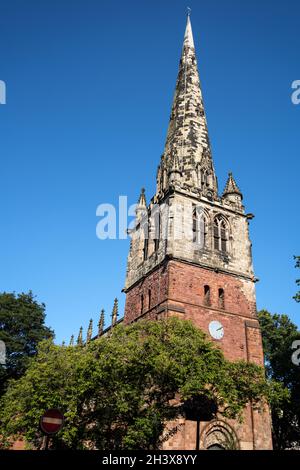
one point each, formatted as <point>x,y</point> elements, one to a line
<point>187,135</point>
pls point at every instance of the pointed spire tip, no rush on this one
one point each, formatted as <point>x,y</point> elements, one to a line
<point>188,35</point>
<point>231,186</point>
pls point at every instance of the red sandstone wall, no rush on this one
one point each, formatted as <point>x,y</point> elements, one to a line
<point>178,288</point>
<point>157,282</point>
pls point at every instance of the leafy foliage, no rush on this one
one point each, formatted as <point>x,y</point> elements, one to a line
<point>297,296</point>
<point>22,327</point>
<point>278,334</point>
<point>118,391</point>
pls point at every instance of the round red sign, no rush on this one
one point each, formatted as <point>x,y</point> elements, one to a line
<point>51,421</point>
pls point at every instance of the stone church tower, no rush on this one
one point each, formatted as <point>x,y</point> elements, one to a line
<point>190,256</point>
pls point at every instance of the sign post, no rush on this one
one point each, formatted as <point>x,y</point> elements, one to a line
<point>50,423</point>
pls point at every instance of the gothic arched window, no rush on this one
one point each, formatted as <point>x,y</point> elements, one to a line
<point>199,227</point>
<point>220,234</point>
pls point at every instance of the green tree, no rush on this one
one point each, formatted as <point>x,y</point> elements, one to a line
<point>297,296</point>
<point>279,334</point>
<point>22,327</point>
<point>117,392</point>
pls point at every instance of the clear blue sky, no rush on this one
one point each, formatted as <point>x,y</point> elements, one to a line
<point>89,90</point>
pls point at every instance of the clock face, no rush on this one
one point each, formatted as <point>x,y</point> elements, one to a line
<point>216,329</point>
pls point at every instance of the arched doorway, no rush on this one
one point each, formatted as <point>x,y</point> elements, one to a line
<point>218,435</point>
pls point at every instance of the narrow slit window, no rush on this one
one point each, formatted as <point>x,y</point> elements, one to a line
<point>221,299</point>
<point>206,295</point>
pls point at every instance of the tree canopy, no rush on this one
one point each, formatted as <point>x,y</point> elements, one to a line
<point>279,334</point>
<point>22,327</point>
<point>118,391</point>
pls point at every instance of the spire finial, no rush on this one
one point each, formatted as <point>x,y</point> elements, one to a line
<point>231,186</point>
<point>114,315</point>
<point>101,323</point>
<point>79,339</point>
<point>188,35</point>
<point>141,207</point>
<point>142,198</point>
<point>72,340</point>
<point>89,331</point>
